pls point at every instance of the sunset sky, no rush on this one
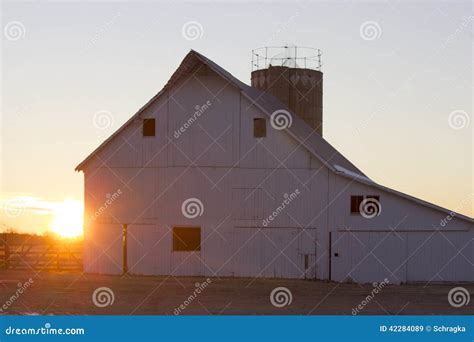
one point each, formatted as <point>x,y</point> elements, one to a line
<point>397,104</point>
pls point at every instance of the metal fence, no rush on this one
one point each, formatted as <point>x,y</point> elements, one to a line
<point>37,254</point>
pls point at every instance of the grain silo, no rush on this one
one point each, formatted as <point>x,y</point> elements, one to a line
<point>293,75</point>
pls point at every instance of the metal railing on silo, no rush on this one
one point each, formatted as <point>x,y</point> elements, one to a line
<point>289,56</point>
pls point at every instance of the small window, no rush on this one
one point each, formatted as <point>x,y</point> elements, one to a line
<point>357,200</point>
<point>259,128</point>
<point>186,239</point>
<point>355,204</point>
<point>148,127</point>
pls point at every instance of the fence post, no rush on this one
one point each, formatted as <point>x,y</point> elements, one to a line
<point>6,251</point>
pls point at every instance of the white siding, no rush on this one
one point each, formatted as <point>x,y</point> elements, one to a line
<point>103,249</point>
<point>400,257</point>
<point>439,256</point>
<point>272,253</point>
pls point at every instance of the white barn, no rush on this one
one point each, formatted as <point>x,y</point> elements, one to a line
<point>213,177</point>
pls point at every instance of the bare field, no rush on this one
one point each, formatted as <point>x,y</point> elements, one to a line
<point>71,294</point>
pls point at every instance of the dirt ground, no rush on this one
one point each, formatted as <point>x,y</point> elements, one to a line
<point>72,293</point>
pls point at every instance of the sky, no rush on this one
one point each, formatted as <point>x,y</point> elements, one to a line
<point>397,86</point>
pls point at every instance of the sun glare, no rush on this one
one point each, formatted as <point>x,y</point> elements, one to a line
<point>68,218</point>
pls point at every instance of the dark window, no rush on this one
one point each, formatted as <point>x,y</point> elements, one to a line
<point>186,239</point>
<point>357,200</point>
<point>355,204</point>
<point>259,128</point>
<point>148,127</point>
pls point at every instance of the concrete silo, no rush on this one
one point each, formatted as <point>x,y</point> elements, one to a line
<point>293,75</point>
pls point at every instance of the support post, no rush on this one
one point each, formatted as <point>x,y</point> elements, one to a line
<point>124,250</point>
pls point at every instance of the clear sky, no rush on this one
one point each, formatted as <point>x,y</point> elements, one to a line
<point>397,86</point>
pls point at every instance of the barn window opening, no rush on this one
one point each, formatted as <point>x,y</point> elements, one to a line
<point>186,239</point>
<point>259,127</point>
<point>355,204</point>
<point>148,127</point>
<point>357,200</point>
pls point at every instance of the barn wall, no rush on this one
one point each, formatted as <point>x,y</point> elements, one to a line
<point>152,210</point>
<point>236,201</point>
<point>103,249</point>
<point>210,136</point>
<point>239,179</point>
<point>403,256</point>
<point>408,241</point>
<point>131,149</point>
<point>397,212</point>
<point>276,150</point>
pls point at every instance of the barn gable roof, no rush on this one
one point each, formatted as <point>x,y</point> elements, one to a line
<point>299,130</point>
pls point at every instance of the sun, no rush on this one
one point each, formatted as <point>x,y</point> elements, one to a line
<point>68,218</point>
